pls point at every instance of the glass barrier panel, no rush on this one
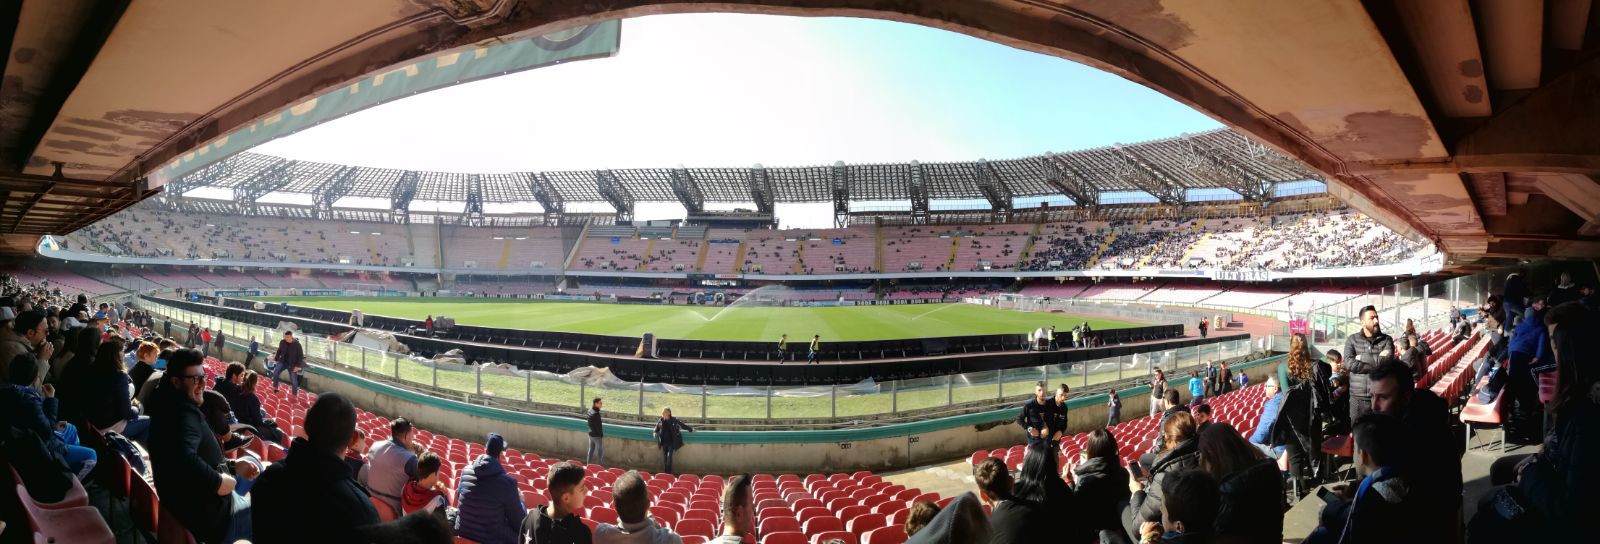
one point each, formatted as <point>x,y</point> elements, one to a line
<point>862,399</point>
<point>411,370</point>
<point>504,382</point>
<point>548,388</point>
<point>736,402</point>
<point>457,377</point>
<point>923,393</point>
<point>619,396</point>
<point>684,400</point>
<point>971,387</point>
<point>802,402</point>
<point>1017,382</point>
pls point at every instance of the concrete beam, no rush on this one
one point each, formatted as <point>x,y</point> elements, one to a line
<point>1551,130</point>
<point>1446,44</point>
<point>1578,193</point>
<point>1513,32</point>
<point>1489,191</point>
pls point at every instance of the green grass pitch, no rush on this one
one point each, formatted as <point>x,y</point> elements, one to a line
<point>741,323</point>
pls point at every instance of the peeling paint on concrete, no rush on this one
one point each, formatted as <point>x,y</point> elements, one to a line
<point>1147,18</point>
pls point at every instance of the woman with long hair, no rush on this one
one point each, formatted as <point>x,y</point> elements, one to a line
<point>1298,423</point>
<point>1038,501</point>
<point>108,394</point>
<point>1099,483</point>
<point>71,385</point>
<point>1250,486</point>
<point>249,412</point>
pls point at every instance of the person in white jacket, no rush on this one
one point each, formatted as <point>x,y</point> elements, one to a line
<point>632,499</point>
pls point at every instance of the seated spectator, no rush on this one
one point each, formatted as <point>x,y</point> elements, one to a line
<point>109,405</point>
<point>1190,511</point>
<point>1182,453</point>
<point>738,511</point>
<point>1173,406</point>
<point>631,498</point>
<point>187,460</point>
<point>44,452</point>
<point>1036,501</point>
<point>144,366</point>
<point>1429,458</point>
<point>960,521</point>
<point>228,385</point>
<point>994,481</point>
<point>311,496</point>
<point>247,409</point>
<point>1099,483</point>
<point>356,456</point>
<point>1262,436</point>
<point>26,336</point>
<point>921,513</point>
<point>392,464</point>
<point>426,492</point>
<point>1202,417</point>
<point>1251,487</point>
<point>490,507</point>
<point>1376,510</point>
<point>72,385</point>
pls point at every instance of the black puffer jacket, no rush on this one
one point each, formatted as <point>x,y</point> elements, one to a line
<point>1252,504</point>
<point>186,460</point>
<point>1099,486</point>
<point>1183,456</point>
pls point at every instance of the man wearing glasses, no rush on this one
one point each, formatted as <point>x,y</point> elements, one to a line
<point>194,480</point>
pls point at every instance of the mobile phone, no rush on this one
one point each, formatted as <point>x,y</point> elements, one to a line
<point>1325,494</point>
<point>1137,470</point>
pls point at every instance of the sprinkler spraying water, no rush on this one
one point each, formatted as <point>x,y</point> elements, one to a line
<point>770,295</point>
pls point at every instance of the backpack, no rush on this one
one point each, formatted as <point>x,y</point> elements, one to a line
<point>122,446</point>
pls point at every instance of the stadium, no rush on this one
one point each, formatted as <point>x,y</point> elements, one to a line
<point>1333,285</point>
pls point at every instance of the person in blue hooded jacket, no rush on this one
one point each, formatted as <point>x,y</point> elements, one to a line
<point>490,507</point>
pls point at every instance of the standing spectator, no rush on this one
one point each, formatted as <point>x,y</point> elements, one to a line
<point>427,324</point>
<point>738,511</point>
<point>1182,453</point>
<point>1514,300</point>
<point>26,335</point>
<point>1378,510</point>
<point>1113,408</point>
<point>1099,483</point>
<point>1529,351</point>
<point>1077,337</point>
<point>994,481</point>
<point>44,453</point>
<point>1363,350</point>
<point>205,341</point>
<point>1205,326</point>
<point>220,342</point>
<point>1429,457</point>
<point>1057,424</point>
<point>1224,378</point>
<point>597,447</point>
<point>1565,291</point>
<point>109,404</point>
<point>426,493</point>
<point>247,409</point>
<point>1197,388</point>
<point>490,508</point>
<point>1251,488</point>
<point>816,349</point>
<point>1299,424</point>
<point>187,460</point>
<point>144,364</point>
<point>631,498</point>
<point>250,354</point>
<point>311,496</point>
<point>783,349</point>
<point>290,357</point>
<point>669,435</point>
<point>1035,416</point>
<point>393,463</point>
<point>1158,391</point>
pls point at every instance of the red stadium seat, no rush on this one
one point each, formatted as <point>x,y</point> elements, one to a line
<point>890,534</point>
<point>825,536</point>
<point>78,524</point>
<point>699,527</point>
<point>821,524</point>
<point>865,522</point>
<point>385,512</point>
<point>784,537</point>
<point>807,514</point>
<point>602,514</point>
<point>776,525</point>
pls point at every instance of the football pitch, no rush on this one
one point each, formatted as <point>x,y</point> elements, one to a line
<point>727,323</point>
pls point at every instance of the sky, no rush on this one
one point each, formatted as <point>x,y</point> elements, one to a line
<point>725,90</point>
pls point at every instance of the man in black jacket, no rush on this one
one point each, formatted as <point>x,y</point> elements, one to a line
<point>1036,415</point>
<point>312,496</point>
<point>669,435</point>
<point>195,482</point>
<point>291,357</point>
<point>1429,459</point>
<point>597,447</point>
<point>1363,350</point>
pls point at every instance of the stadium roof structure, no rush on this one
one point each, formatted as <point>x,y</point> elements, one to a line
<point>1468,122</point>
<point>1164,169</point>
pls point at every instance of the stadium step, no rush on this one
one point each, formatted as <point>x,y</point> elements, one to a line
<point>877,249</point>
<point>955,247</point>
<point>649,251</point>
<point>1095,260</point>
<point>1027,249</point>
<point>577,248</point>
<point>705,249</point>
